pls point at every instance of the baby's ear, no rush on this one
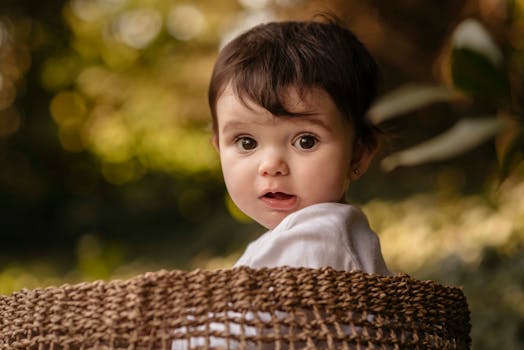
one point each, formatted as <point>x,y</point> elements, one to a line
<point>214,142</point>
<point>361,160</point>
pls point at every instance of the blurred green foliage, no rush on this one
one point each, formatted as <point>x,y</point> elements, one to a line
<point>480,75</point>
<point>106,169</point>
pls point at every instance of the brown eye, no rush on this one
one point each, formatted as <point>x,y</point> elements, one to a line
<point>246,143</point>
<point>305,142</point>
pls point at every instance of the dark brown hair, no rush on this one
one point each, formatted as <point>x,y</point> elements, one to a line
<point>262,62</point>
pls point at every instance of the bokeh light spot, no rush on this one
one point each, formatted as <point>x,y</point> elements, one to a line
<point>246,21</point>
<point>254,4</point>
<point>59,72</point>
<point>137,28</point>
<point>178,151</point>
<point>185,22</point>
<point>92,10</point>
<point>287,3</point>
<point>87,10</point>
<point>109,138</point>
<point>68,109</point>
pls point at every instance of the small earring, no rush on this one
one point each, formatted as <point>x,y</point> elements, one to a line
<point>356,172</point>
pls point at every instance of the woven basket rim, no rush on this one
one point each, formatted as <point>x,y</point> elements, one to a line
<point>287,305</point>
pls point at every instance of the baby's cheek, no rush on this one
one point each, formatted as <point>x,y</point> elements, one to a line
<point>237,182</point>
<point>330,181</point>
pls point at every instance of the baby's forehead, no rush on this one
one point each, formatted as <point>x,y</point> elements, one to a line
<point>293,100</point>
<point>312,105</point>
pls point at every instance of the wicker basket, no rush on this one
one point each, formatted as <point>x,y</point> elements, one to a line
<point>241,308</point>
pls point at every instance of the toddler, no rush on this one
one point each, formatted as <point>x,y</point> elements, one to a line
<point>288,101</point>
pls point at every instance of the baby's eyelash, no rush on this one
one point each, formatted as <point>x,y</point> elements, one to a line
<point>237,137</point>
<point>307,134</point>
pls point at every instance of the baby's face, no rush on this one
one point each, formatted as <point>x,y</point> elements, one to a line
<point>274,166</point>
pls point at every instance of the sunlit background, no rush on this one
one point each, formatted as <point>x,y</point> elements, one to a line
<point>107,171</point>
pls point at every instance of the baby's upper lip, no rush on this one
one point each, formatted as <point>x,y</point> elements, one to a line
<point>277,194</point>
<point>279,200</point>
<point>274,192</point>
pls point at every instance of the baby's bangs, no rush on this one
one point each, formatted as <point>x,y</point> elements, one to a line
<point>266,77</point>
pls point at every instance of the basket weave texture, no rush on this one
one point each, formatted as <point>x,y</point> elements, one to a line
<point>240,308</point>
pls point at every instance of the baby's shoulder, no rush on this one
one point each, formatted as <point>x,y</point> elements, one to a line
<point>325,215</point>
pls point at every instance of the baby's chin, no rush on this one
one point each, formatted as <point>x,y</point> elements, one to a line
<point>274,220</point>
<point>270,225</point>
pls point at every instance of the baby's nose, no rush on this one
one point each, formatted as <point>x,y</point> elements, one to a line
<point>273,164</point>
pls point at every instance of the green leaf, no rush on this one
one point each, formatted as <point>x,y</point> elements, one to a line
<point>462,137</point>
<point>471,34</point>
<point>410,97</point>
<point>478,75</point>
<point>477,64</point>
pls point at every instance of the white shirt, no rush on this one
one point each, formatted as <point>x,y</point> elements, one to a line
<point>325,234</point>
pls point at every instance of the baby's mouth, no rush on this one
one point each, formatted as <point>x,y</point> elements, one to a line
<point>279,200</point>
<point>278,195</point>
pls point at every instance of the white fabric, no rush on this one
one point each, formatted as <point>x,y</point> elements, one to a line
<point>326,234</point>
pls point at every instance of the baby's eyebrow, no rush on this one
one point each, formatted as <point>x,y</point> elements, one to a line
<point>235,125</point>
<point>312,118</point>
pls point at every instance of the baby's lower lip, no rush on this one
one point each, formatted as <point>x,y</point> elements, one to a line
<point>279,200</point>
